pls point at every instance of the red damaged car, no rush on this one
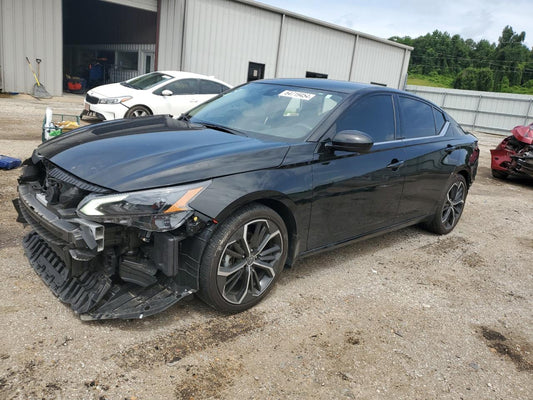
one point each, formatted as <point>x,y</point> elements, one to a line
<point>514,155</point>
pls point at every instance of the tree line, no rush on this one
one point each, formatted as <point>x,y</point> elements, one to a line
<point>473,65</point>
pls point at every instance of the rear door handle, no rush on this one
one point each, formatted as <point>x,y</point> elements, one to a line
<point>395,164</point>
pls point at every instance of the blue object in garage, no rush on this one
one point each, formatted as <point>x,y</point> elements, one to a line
<point>9,162</point>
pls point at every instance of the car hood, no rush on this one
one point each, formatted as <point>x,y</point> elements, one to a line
<point>126,155</point>
<point>112,90</point>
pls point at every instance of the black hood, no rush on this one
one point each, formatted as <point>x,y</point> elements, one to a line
<point>157,151</point>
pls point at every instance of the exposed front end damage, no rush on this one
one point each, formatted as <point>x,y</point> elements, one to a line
<point>514,155</point>
<point>122,262</point>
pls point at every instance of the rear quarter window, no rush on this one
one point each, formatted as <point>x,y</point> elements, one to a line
<point>455,129</point>
<point>440,120</point>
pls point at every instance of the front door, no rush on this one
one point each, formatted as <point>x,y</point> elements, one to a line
<point>354,193</point>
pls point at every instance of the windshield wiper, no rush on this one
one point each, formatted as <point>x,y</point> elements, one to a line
<point>129,85</point>
<point>185,117</point>
<point>221,128</point>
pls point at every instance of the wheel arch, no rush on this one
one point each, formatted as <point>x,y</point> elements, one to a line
<point>278,202</point>
<point>141,105</point>
<point>465,174</point>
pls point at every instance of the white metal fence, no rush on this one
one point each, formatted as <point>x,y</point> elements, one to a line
<point>482,111</point>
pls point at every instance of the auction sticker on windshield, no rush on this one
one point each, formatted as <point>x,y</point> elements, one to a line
<point>296,95</point>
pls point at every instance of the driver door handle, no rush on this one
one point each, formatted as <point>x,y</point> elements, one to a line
<point>395,164</point>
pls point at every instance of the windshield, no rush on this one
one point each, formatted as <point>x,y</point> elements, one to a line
<point>277,111</point>
<point>147,81</point>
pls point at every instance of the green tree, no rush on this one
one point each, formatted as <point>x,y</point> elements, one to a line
<point>466,79</point>
<point>510,57</point>
<point>485,79</point>
<point>438,54</point>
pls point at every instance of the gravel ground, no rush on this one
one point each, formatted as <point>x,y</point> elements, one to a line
<point>403,316</point>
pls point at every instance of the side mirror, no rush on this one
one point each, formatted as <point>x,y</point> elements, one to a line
<point>167,92</point>
<point>354,141</point>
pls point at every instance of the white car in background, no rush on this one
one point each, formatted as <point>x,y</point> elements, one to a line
<point>160,92</point>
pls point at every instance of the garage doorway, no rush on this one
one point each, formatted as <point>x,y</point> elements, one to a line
<point>105,42</point>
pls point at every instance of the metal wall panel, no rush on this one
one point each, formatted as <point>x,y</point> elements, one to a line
<point>483,111</point>
<point>379,62</point>
<point>309,47</point>
<point>31,28</point>
<point>222,37</point>
<point>171,20</point>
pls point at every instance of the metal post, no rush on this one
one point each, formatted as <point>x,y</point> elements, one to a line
<point>353,56</point>
<point>183,31</point>
<point>528,110</point>
<point>443,100</point>
<point>476,112</point>
<point>401,71</point>
<point>276,70</point>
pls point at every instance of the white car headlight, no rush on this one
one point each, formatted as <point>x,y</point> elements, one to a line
<point>114,100</point>
<point>155,210</point>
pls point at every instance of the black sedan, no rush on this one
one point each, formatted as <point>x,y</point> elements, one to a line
<point>129,217</point>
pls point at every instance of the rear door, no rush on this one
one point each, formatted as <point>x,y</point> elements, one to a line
<point>426,171</point>
<point>208,89</point>
<point>356,194</point>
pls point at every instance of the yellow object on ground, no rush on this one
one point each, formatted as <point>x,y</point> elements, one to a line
<point>67,125</point>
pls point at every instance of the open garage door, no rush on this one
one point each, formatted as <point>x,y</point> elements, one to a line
<point>107,41</point>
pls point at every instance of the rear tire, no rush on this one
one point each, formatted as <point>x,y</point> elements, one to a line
<point>137,111</point>
<point>244,259</point>
<point>450,207</point>
<point>498,174</point>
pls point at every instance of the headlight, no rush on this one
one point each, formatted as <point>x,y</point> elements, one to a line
<point>114,100</point>
<point>158,210</point>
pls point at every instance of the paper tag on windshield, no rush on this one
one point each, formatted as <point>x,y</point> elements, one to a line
<point>297,95</point>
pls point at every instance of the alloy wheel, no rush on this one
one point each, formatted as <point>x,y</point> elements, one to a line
<point>453,205</point>
<point>248,263</point>
<point>139,113</point>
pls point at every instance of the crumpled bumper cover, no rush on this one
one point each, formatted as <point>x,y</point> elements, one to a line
<point>94,295</point>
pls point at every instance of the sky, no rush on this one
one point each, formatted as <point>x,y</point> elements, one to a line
<point>472,19</point>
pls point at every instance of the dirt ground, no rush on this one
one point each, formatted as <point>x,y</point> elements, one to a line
<point>409,315</point>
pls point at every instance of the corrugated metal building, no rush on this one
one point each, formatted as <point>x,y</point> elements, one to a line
<point>234,40</point>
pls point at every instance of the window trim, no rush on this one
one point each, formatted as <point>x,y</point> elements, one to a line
<point>437,134</point>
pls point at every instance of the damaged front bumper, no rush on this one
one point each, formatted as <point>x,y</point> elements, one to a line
<point>93,295</point>
<point>514,155</point>
<point>106,271</point>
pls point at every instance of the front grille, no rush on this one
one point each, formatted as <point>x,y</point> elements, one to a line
<point>91,99</point>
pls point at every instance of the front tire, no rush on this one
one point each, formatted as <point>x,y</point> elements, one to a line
<point>450,207</point>
<point>137,111</point>
<point>244,259</point>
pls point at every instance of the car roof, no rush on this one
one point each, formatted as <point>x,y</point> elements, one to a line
<point>184,74</point>
<point>328,84</point>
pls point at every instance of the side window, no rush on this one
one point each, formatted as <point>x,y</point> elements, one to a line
<point>210,87</point>
<point>181,87</point>
<point>416,118</point>
<point>373,115</point>
<point>440,120</point>
<point>455,129</point>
